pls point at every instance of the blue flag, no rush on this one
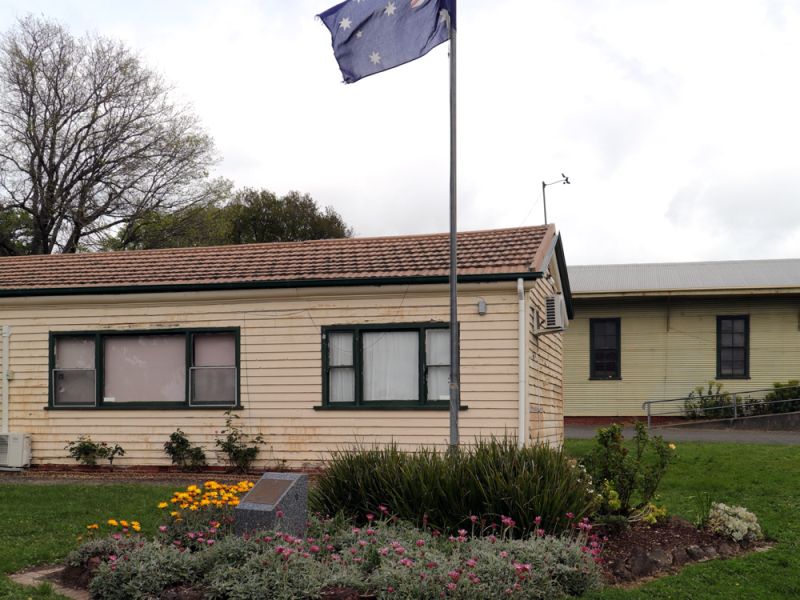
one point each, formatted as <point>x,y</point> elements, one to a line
<point>370,36</point>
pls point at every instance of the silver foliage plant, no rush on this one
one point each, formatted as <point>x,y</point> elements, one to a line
<point>735,522</point>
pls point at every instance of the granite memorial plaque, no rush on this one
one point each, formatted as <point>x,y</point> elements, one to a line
<point>278,501</point>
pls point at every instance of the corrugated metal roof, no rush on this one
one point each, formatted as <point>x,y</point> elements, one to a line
<point>657,277</point>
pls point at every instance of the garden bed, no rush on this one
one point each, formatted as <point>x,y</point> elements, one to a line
<point>644,551</point>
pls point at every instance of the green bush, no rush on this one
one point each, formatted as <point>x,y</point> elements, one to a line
<point>182,453</point>
<point>490,487</point>
<point>708,402</point>
<point>87,452</point>
<point>389,560</point>
<point>239,449</point>
<point>628,479</point>
<point>782,391</point>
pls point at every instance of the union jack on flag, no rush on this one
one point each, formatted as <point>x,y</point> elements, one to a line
<point>371,36</point>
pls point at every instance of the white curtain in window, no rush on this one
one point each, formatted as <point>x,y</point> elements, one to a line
<point>340,349</point>
<point>391,365</point>
<point>342,385</point>
<point>146,368</point>
<point>437,346</point>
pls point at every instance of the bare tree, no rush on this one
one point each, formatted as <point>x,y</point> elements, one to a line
<point>90,138</point>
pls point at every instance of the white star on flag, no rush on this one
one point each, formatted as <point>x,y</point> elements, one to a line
<point>375,58</point>
<point>390,8</point>
<point>346,23</point>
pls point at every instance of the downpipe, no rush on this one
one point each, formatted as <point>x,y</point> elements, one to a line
<point>522,430</point>
<point>6,374</point>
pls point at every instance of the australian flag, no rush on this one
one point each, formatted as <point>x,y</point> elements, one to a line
<point>370,36</point>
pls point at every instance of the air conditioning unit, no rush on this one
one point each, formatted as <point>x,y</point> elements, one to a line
<point>555,313</point>
<point>15,450</point>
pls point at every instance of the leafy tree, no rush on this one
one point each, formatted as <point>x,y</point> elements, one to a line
<point>89,141</point>
<point>250,216</point>
<point>260,216</point>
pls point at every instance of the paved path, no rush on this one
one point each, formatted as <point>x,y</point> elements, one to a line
<point>585,432</point>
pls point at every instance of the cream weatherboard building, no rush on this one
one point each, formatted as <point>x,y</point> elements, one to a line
<point>316,345</point>
<point>656,331</point>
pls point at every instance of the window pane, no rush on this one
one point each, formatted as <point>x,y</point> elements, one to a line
<point>439,383</point>
<point>437,346</point>
<point>214,385</point>
<point>74,388</point>
<point>342,385</point>
<point>737,339</point>
<point>74,353</point>
<point>391,366</point>
<point>340,349</point>
<point>214,350</point>
<point>146,368</point>
<point>738,325</point>
<point>726,325</point>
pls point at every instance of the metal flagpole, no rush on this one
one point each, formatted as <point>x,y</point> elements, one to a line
<point>455,355</point>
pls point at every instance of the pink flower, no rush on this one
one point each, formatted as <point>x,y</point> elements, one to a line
<point>406,562</point>
<point>570,515</point>
<point>279,513</point>
<point>390,589</point>
<point>537,521</point>
<point>420,543</point>
<point>454,575</point>
<point>356,530</point>
<point>451,586</point>
<point>471,562</point>
<point>383,509</point>
<point>116,536</point>
<point>370,532</point>
<point>370,517</point>
<point>210,542</point>
<point>383,551</point>
<point>280,550</point>
<point>162,528</point>
<point>540,532</point>
<point>503,554</point>
<point>473,518</point>
<point>507,521</point>
<point>112,557</point>
<point>314,549</point>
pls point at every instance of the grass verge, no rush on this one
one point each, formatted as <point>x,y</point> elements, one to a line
<point>765,479</point>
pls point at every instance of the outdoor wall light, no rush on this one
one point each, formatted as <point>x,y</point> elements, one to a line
<point>481,306</point>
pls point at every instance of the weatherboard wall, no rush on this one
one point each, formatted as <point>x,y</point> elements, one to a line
<point>668,347</point>
<point>281,366</point>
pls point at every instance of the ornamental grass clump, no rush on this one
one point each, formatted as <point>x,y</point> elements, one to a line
<point>491,487</point>
<point>734,522</point>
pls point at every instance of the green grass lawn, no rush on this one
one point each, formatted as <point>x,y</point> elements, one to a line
<point>765,479</point>
<point>40,523</point>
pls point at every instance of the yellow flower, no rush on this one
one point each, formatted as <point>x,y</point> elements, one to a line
<point>93,526</point>
<point>672,446</point>
<point>162,505</point>
<point>193,507</point>
<point>124,523</point>
<point>175,514</point>
<point>113,522</point>
<point>135,526</point>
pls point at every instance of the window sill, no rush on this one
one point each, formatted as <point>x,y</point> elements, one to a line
<point>143,407</point>
<point>435,407</point>
<point>605,378</point>
<point>734,377</point>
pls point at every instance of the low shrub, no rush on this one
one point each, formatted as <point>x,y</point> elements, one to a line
<point>735,522</point>
<point>238,449</point>
<point>782,391</point>
<point>708,402</point>
<point>389,560</point>
<point>628,479</point>
<point>491,487</point>
<point>182,453</point>
<point>87,452</point>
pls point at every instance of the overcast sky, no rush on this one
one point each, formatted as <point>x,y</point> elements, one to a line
<point>676,121</point>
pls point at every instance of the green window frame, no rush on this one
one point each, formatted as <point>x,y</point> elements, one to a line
<point>359,334</point>
<point>192,371</point>
<point>605,349</point>
<point>733,347</point>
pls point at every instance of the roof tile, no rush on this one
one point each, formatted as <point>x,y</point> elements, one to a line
<point>494,251</point>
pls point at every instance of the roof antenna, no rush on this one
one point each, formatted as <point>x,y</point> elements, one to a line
<point>564,179</point>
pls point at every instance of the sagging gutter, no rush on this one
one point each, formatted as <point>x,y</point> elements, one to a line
<point>6,375</point>
<point>522,432</point>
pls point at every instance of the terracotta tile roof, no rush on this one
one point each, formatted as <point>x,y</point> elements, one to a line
<point>498,251</point>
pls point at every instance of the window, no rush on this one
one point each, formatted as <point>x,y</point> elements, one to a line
<point>733,347</point>
<point>604,349</point>
<point>169,369</point>
<point>386,365</point>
